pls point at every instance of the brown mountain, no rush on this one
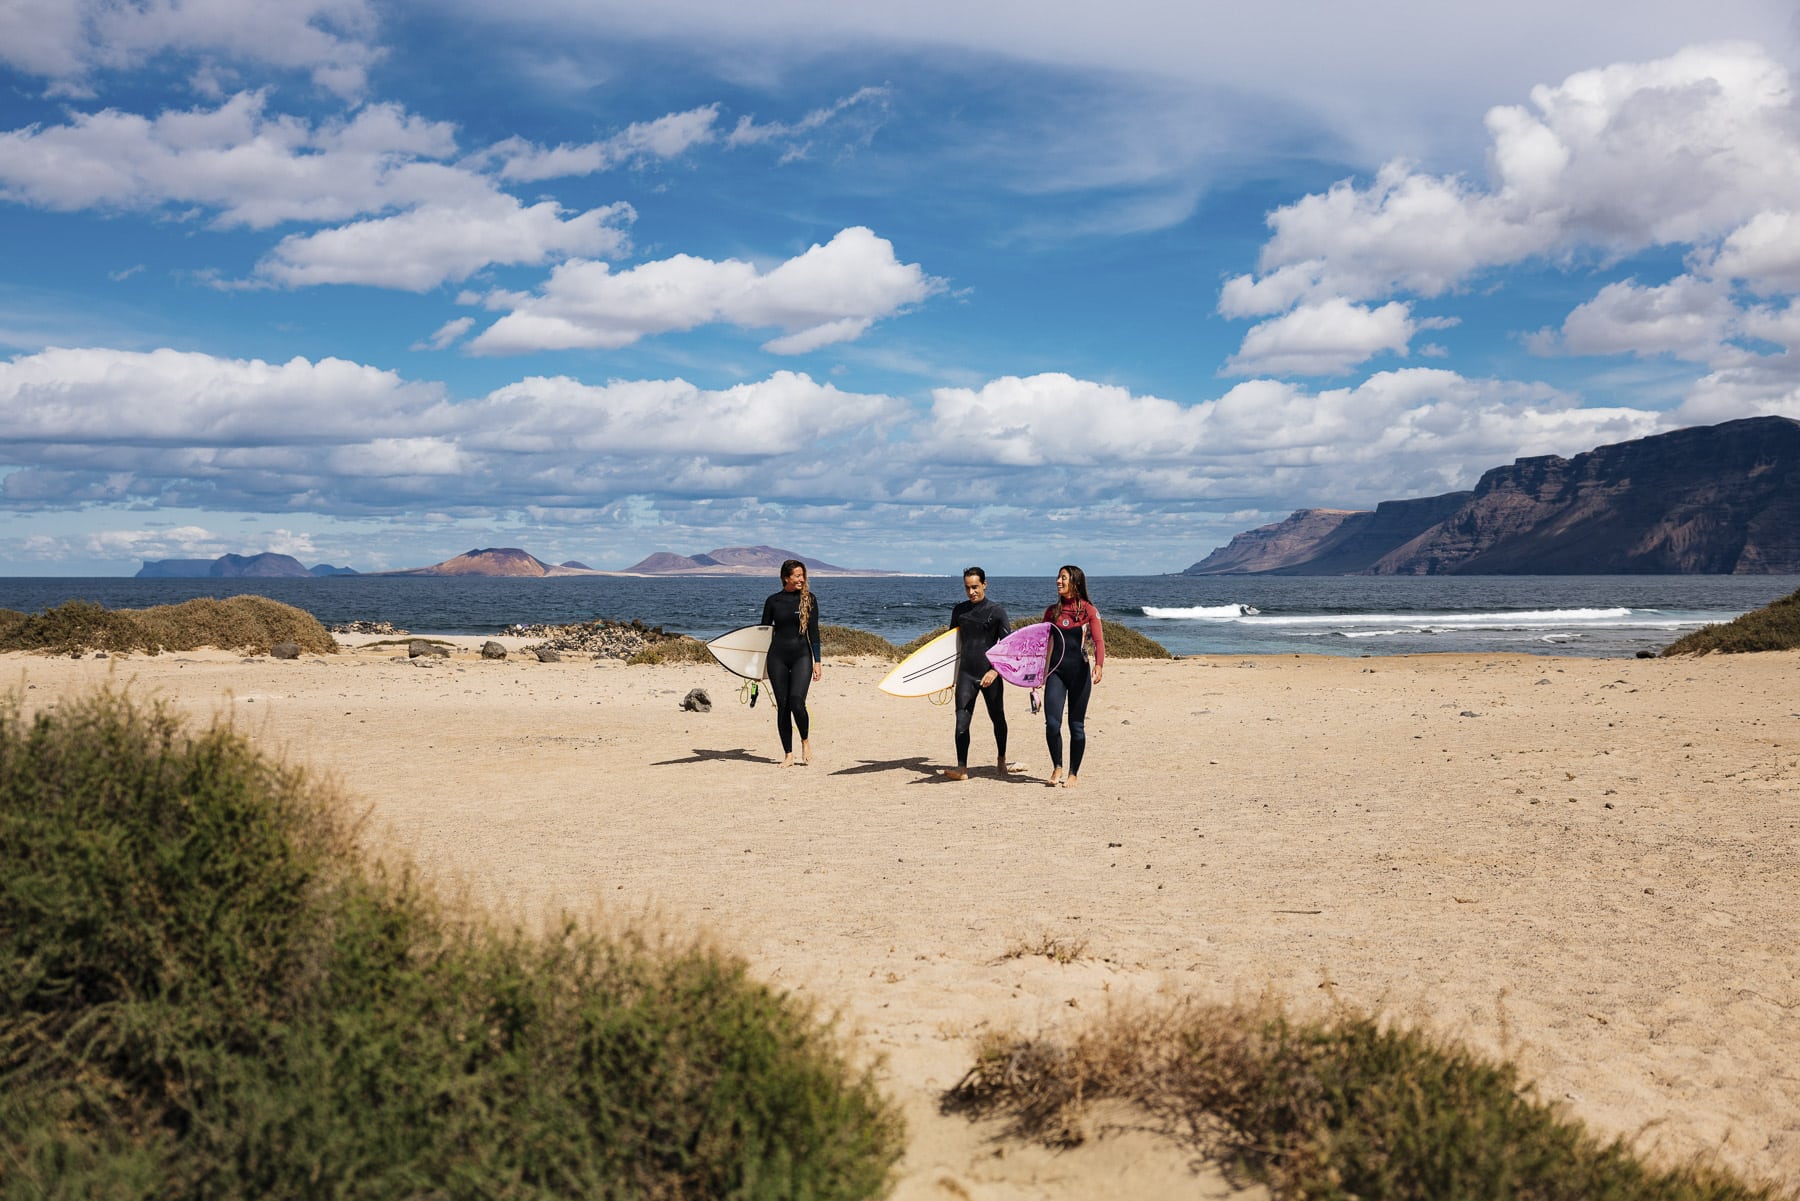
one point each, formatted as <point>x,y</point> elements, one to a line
<point>493,561</point>
<point>1719,499</point>
<point>736,560</point>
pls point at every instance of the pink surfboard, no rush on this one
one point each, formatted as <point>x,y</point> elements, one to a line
<point>1027,655</point>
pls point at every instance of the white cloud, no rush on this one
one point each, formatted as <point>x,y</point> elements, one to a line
<point>1764,252</point>
<point>826,294</point>
<point>1379,74</point>
<point>168,397</point>
<point>68,41</point>
<point>749,132</point>
<point>1402,433</point>
<point>782,414</point>
<point>434,244</point>
<point>1686,317</point>
<point>666,137</point>
<point>1323,339</point>
<point>247,166</point>
<point>446,335</point>
<point>1672,151</point>
<point>104,427</point>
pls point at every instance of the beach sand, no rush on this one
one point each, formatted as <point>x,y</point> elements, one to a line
<point>1587,866</point>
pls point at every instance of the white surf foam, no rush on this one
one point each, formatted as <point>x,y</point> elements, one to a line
<point>1201,612</point>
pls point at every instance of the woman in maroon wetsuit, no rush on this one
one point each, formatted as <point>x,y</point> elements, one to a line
<point>1076,619</point>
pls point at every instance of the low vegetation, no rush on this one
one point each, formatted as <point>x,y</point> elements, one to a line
<point>247,623</point>
<point>677,649</point>
<point>1774,627</point>
<point>1344,1107</point>
<point>1122,642</point>
<point>205,992</point>
<point>845,641</point>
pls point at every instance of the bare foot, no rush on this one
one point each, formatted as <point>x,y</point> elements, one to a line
<point>1055,780</point>
<point>1070,782</point>
<point>805,752</point>
<point>956,773</point>
<point>787,760</point>
<point>1009,768</point>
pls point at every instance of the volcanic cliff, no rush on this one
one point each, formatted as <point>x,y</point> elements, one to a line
<point>1721,499</point>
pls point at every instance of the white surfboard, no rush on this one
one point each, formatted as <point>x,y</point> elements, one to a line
<point>931,668</point>
<point>744,651</point>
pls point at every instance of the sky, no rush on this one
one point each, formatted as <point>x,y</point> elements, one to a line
<point>894,286</point>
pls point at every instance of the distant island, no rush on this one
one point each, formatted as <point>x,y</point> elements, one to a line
<point>266,566</point>
<point>739,560</point>
<point>501,562</point>
<point>1720,499</point>
<point>496,561</point>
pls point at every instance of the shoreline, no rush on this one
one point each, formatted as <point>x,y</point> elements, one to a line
<point>1581,865</point>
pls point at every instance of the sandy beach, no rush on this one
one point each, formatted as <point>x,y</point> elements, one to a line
<point>1588,866</point>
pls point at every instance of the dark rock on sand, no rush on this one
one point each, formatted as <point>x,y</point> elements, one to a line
<point>418,647</point>
<point>492,650</point>
<point>546,654</point>
<point>696,701</point>
<point>285,650</point>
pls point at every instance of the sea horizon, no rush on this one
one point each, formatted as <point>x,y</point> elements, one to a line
<point>1596,616</point>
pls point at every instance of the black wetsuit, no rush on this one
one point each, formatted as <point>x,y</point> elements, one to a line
<point>792,653</point>
<point>982,624</point>
<point>1072,680</point>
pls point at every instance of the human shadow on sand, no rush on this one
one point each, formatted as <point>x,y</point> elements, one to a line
<point>927,771</point>
<point>737,754</point>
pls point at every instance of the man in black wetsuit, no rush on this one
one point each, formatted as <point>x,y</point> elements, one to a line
<point>982,623</point>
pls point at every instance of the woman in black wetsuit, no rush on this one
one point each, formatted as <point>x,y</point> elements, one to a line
<point>794,657</point>
<point>1076,619</point>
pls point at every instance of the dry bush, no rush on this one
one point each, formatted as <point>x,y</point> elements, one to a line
<point>1055,947</point>
<point>846,641</point>
<point>249,623</point>
<point>1341,1107</point>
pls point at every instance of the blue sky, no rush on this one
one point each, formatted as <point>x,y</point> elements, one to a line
<point>900,286</point>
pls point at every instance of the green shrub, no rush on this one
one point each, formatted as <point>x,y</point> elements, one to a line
<point>1344,1108</point>
<point>1774,627</point>
<point>204,993</point>
<point>676,649</point>
<point>252,623</point>
<point>1122,642</point>
<point>843,640</point>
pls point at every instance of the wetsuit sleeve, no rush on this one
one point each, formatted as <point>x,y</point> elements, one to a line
<point>1050,614</point>
<point>816,634</point>
<point>768,617</point>
<point>1099,638</point>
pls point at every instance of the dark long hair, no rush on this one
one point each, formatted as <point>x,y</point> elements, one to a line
<point>806,598</point>
<point>1078,578</point>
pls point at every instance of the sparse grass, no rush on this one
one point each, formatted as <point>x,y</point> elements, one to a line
<point>250,623</point>
<point>678,648</point>
<point>1774,627</point>
<point>1054,947</point>
<point>1122,642</point>
<point>204,993</point>
<point>844,640</point>
<point>1343,1107</point>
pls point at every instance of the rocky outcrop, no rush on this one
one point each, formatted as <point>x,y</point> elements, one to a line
<point>1328,541</point>
<point>602,639</point>
<point>1721,499</point>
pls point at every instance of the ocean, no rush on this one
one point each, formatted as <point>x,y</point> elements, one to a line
<point>1597,616</point>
